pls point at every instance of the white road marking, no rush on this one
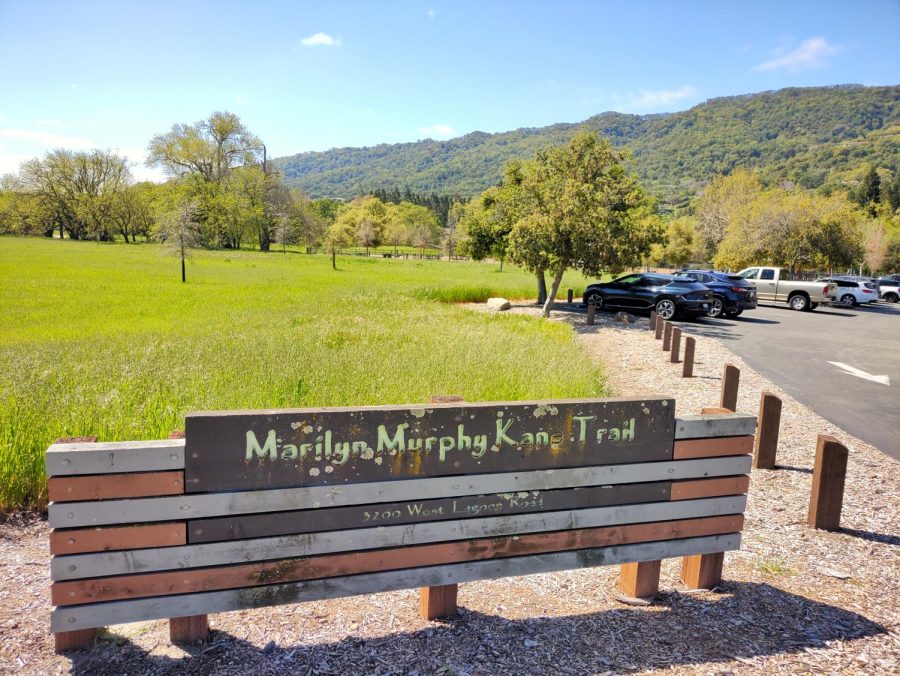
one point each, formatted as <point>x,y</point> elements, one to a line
<point>859,373</point>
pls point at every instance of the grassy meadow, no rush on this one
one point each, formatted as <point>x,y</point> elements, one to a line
<point>105,340</point>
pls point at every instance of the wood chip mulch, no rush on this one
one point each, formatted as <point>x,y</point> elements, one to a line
<point>794,600</point>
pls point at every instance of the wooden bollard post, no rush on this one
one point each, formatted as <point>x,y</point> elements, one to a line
<point>659,327</point>
<point>592,310</point>
<point>570,296</point>
<point>827,495</point>
<point>667,336</point>
<point>766,443</point>
<point>687,370</point>
<point>440,600</point>
<point>731,378</point>
<point>79,639</point>
<point>652,320</point>
<point>676,345</point>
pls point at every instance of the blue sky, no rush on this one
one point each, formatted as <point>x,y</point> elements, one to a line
<point>311,76</point>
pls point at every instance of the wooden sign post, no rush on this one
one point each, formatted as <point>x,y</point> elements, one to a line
<point>829,472</point>
<point>731,378</point>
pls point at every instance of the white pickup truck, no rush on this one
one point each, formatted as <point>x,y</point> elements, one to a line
<point>775,285</point>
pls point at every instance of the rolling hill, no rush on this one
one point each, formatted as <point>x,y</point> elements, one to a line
<point>811,136</point>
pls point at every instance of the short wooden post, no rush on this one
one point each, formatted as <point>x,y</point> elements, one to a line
<point>80,639</point>
<point>191,629</point>
<point>731,378</point>
<point>659,327</point>
<point>652,320</point>
<point>766,443</point>
<point>687,370</point>
<point>570,296</point>
<point>827,495</point>
<point>640,580</point>
<point>676,346</point>
<point>667,336</point>
<point>713,410</point>
<point>440,600</point>
<point>702,571</point>
<point>592,310</point>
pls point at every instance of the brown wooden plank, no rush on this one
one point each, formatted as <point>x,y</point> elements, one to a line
<point>80,639</point>
<point>82,540</point>
<point>731,378</point>
<point>271,524</point>
<point>714,410</point>
<point>190,629</point>
<point>709,488</point>
<point>248,450</point>
<point>111,486</point>
<point>687,369</point>
<point>767,434</point>
<point>640,580</point>
<point>334,565</point>
<point>702,571</point>
<point>438,601</point>
<point>712,447</point>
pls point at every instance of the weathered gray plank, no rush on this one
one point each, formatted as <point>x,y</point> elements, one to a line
<point>100,564</point>
<point>86,616</point>
<point>271,524</point>
<point>114,457</point>
<point>715,425</point>
<point>235,450</point>
<point>109,512</point>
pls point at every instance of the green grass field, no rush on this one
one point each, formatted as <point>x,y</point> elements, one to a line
<point>105,340</point>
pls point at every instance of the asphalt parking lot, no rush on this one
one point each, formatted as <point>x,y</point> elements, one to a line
<point>844,363</point>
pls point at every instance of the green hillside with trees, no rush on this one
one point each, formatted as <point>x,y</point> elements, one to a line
<point>813,137</point>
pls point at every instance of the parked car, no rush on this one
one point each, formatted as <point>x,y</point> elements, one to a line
<point>889,289</point>
<point>732,294</point>
<point>669,295</point>
<point>852,291</point>
<point>775,285</point>
<point>890,278</point>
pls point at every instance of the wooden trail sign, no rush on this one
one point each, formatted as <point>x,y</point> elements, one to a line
<point>237,450</point>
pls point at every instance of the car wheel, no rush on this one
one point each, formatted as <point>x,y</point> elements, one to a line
<point>665,308</point>
<point>891,297</point>
<point>848,299</point>
<point>717,309</point>
<point>799,302</point>
<point>596,299</point>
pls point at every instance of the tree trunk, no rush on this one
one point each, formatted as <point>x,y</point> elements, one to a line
<point>183,277</point>
<point>557,280</point>
<point>541,287</point>
<point>501,264</point>
<point>334,259</point>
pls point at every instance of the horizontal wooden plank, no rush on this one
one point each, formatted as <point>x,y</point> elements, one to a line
<point>110,486</point>
<point>713,447</point>
<point>335,565</point>
<point>81,540</point>
<point>292,546</point>
<point>714,425</point>
<point>248,450</point>
<point>708,488</point>
<point>440,509</point>
<point>115,457</point>
<point>90,615</point>
<point>77,514</point>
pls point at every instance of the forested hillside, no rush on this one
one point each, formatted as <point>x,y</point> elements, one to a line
<point>813,137</point>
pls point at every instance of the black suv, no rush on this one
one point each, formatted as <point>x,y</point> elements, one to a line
<point>732,294</point>
<point>669,295</point>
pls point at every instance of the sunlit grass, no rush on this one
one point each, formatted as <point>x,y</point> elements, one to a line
<point>105,340</point>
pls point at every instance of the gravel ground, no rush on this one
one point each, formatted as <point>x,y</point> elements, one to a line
<point>794,600</point>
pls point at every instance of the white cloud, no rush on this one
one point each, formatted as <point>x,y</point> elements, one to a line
<point>658,98</point>
<point>47,123</point>
<point>47,139</point>
<point>10,162</point>
<point>321,40</point>
<point>812,53</point>
<point>431,13</point>
<point>437,131</point>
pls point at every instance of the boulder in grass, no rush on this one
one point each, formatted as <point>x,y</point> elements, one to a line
<point>498,304</point>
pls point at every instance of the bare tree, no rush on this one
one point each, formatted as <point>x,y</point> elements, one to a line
<point>180,233</point>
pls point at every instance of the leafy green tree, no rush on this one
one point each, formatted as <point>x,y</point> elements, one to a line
<point>338,236</point>
<point>679,245</point>
<point>721,204</point>
<point>590,213</point>
<point>869,192</point>
<point>180,232</point>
